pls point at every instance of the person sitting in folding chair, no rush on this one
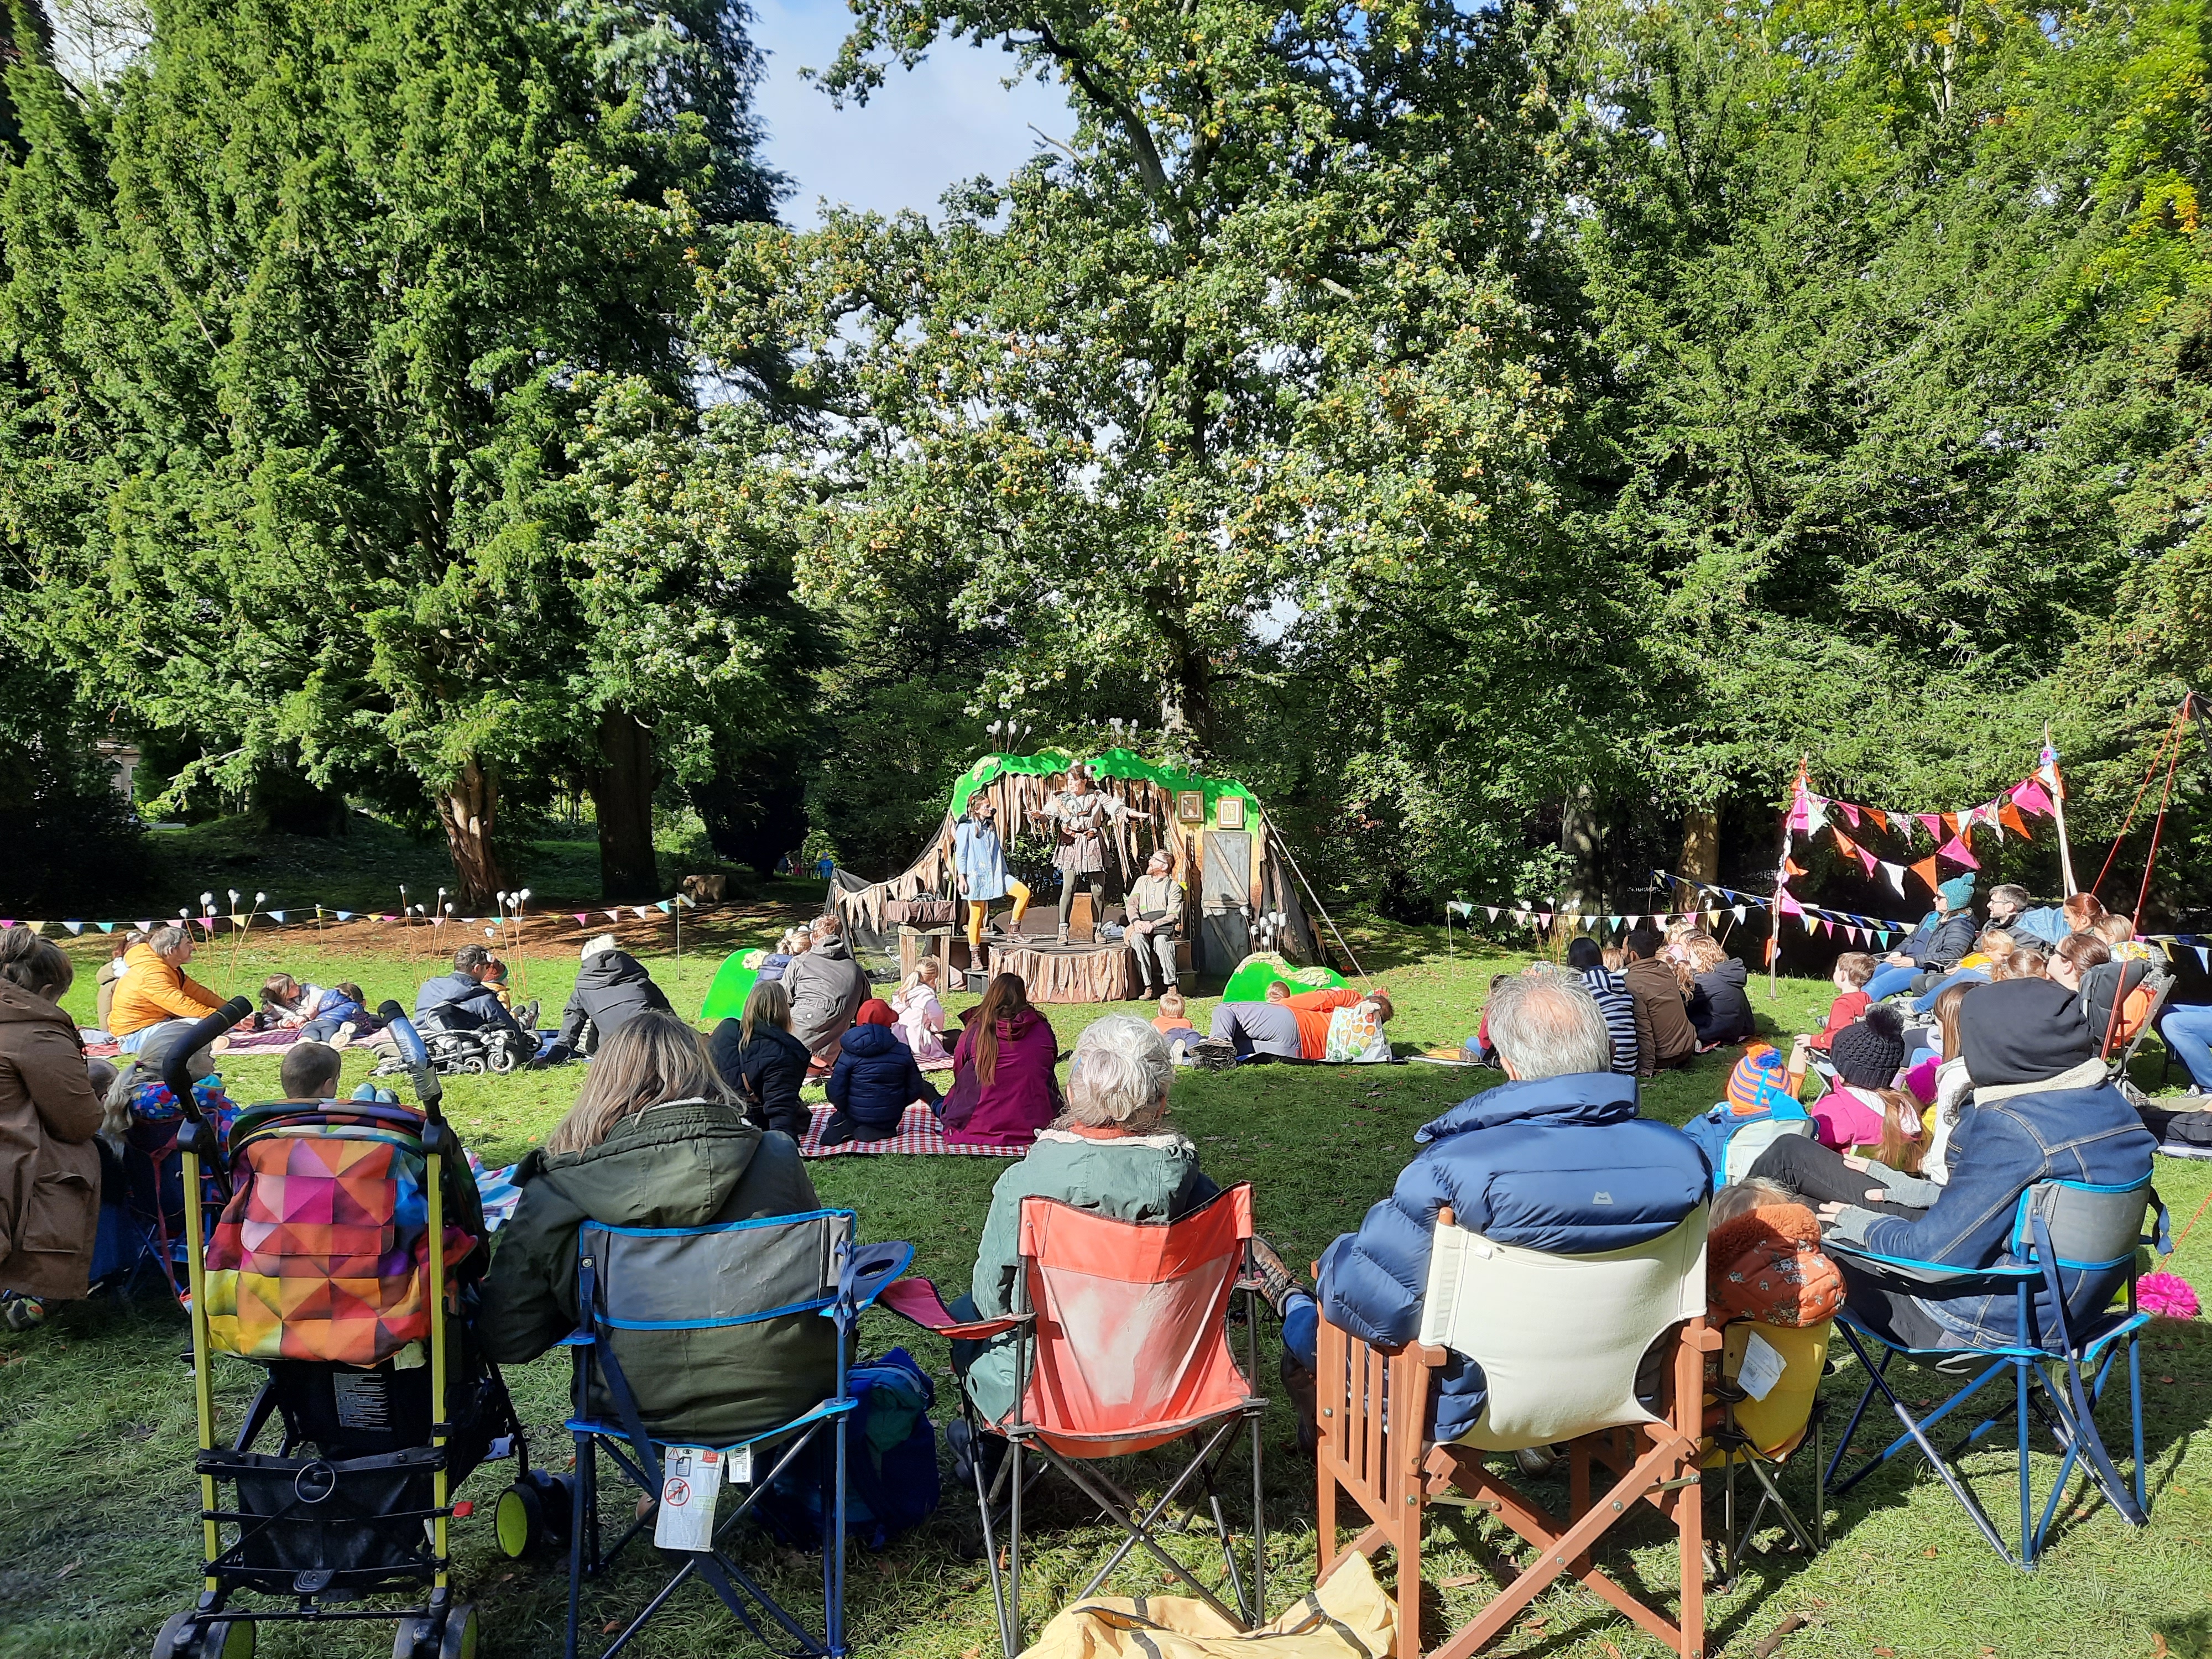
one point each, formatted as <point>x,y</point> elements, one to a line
<point>1556,1158</point>
<point>1096,1323</point>
<point>655,1142</point>
<point>2046,1121</point>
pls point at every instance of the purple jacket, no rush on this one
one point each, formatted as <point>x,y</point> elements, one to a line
<point>1023,1095</point>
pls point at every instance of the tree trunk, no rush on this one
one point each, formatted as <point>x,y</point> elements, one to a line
<point>467,806</point>
<point>1580,840</point>
<point>621,789</point>
<point>1701,851</point>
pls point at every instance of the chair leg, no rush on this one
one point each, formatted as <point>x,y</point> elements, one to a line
<point>833,1556</point>
<point>2028,1541</point>
<point>2135,1423</point>
<point>1014,1550</point>
<point>576,1522</point>
<point>990,1541</point>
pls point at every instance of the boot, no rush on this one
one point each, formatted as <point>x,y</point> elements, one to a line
<point>1063,933</point>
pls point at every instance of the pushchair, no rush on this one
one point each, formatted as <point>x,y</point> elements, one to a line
<point>348,1227</point>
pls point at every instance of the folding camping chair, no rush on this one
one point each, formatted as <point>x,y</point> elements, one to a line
<point>678,1279</point>
<point>1561,1340</point>
<point>1120,1330</point>
<point>1763,1433</point>
<point>2061,1230</point>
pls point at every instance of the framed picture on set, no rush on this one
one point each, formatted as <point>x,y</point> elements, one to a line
<point>1229,811</point>
<point>1190,806</point>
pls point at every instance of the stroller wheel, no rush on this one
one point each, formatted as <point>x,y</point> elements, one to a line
<point>519,1521</point>
<point>222,1639</point>
<point>501,1060</point>
<point>459,1639</point>
<point>473,1066</point>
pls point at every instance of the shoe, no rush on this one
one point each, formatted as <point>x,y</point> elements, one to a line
<point>960,1440</point>
<point>1063,936</point>
<point>21,1313</point>
<point>1534,1460</point>
<point>1276,1282</point>
<point>1210,1056</point>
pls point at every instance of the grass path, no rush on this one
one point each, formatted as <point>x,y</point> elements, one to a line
<point>97,1543</point>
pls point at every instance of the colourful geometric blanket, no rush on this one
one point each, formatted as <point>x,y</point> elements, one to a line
<point>918,1133</point>
<point>322,1252</point>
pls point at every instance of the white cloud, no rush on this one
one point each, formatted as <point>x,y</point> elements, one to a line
<point>946,120</point>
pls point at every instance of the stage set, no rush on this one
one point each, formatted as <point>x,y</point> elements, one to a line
<point>1240,885</point>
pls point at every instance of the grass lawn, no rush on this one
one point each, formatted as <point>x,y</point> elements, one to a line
<point>97,1543</point>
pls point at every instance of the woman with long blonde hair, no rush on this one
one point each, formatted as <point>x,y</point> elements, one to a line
<point>654,1140</point>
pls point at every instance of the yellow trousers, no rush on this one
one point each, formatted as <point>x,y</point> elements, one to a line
<point>979,909</point>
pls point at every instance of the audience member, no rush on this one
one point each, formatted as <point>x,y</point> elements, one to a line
<point>2042,1110</point>
<point>827,988</point>
<point>1763,1259</point>
<point>1267,1027</point>
<point>1991,945</point>
<point>1719,1010</point>
<point>2119,933</point>
<point>463,1001</point>
<point>1171,1018</point>
<point>1004,1088</point>
<point>653,1141</point>
<point>310,1072</point>
<point>1868,1057</point>
<point>155,988</point>
<point>141,1095</point>
<point>1850,976</point>
<point>921,1017</point>
<point>612,988</point>
<point>111,971</point>
<point>1498,1158</point>
<point>1945,934</point>
<point>1664,1034</point>
<point>1612,1000</point>
<point>794,941</point>
<point>874,1080</point>
<point>764,1064</point>
<point>49,1115</point>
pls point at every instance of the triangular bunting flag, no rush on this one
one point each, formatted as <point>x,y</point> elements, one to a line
<point>1933,824</point>
<point>613,916</point>
<point>2203,958</point>
<point>1880,818</point>
<point>1792,867</point>
<point>1817,818</point>
<point>146,926</point>
<point>1950,822</point>
<point>1850,812</point>
<point>1739,912</point>
<point>75,927</point>
<point>1926,870</point>
<point>1955,850</point>
<point>276,915</point>
<point>343,915</point>
<point>1896,874</point>
<point>583,918</point>
<point>1492,909</point>
<point>237,921</point>
<point>1885,938</point>
<point>1845,845</point>
<point>2008,817</point>
<point>1788,905</point>
<point>662,907</point>
<point>2028,795</point>
<point>1867,859</point>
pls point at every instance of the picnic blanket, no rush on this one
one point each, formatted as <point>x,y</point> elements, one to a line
<point>917,1133</point>
<point>98,1045</point>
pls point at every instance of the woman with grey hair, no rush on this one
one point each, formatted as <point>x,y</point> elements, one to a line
<point>1112,1153</point>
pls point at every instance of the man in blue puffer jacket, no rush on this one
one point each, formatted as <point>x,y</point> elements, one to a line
<point>1556,1159</point>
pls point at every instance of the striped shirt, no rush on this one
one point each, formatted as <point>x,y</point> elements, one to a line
<point>1619,1010</point>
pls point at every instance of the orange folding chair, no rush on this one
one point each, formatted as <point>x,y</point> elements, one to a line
<point>1561,1340</point>
<point>1120,1330</point>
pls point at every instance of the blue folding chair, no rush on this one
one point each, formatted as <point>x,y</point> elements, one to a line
<point>678,1279</point>
<point>2075,1243</point>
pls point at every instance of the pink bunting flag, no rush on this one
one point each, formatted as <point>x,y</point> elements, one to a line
<point>1787,904</point>
<point>1850,812</point>
<point>583,919</point>
<point>1956,850</point>
<point>2030,797</point>
<point>1801,809</point>
<point>1933,822</point>
<point>1867,859</point>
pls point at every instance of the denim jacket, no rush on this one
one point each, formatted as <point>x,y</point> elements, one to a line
<point>1996,1152</point>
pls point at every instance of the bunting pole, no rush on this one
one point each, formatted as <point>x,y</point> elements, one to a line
<point>1781,878</point>
<point>2059,811</point>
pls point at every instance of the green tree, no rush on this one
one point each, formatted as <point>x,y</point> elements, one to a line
<point>304,301</point>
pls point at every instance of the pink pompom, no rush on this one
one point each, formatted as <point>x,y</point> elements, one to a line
<point>2168,1294</point>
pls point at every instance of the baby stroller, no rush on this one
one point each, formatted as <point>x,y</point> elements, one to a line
<point>347,1226</point>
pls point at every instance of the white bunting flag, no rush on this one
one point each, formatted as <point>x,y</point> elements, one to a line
<point>1492,909</point>
<point>1896,874</point>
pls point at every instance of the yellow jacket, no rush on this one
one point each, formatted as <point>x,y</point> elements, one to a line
<point>151,991</point>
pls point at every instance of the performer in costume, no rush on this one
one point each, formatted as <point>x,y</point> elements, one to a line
<point>1081,814</point>
<point>981,861</point>
<point>1156,920</point>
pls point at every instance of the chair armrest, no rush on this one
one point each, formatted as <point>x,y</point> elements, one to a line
<point>868,1272</point>
<point>1904,1272</point>
<point>575,1339</point>
<point>917,1300</point>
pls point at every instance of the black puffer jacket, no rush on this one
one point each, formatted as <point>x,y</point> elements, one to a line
<point>612,988</point>
<point>766,1074</point>
<point>1720,1010</point>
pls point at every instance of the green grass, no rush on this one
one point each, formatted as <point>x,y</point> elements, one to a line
<point>97,1543</point>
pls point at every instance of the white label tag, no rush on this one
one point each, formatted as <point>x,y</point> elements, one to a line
<point>690,1477</point>
<point>1761,1368</point>
<point>740,1465</point>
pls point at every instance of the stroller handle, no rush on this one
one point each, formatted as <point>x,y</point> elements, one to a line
<point>177,1071</point>
<point>414,1056</point>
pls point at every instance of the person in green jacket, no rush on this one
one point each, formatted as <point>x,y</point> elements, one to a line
<point>655,1142</point>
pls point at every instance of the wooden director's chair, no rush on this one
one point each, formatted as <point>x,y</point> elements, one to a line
<point>1561,1340</point>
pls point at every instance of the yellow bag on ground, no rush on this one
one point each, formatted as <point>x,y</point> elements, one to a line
<point>1347,1618</point>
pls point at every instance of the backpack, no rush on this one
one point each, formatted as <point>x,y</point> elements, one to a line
<point>1732,1141</point>
<point>890,1462</point>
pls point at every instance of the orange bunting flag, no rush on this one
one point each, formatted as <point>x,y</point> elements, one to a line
<point>1950,823</point>
<point>1881,818</point>
<point>1926,870</point>
<point>2010,816</point>
<point>1792,866</point>
<point>1845,845</point>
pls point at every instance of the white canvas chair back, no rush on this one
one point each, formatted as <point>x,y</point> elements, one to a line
<point>1559,1338</point>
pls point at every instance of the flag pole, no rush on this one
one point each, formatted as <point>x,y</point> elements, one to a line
<point>2059,811</point>
<point>1781,880</point>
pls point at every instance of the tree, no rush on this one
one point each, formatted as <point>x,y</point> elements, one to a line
<point>304,298</point>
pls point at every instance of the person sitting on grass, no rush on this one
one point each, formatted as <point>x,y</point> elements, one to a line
<point>154,988</point>
<point>1584,956</point>
<point>2043,1111</point>
<point>1664,1036</point>
<point>874,1080</point>
<point>49,1116</point>
<point>463,1001</point>
<point>1171,1018</point>
<point>1497,1159</point>
<point>655,1142</point>
<point>762,1064</point>
<point>111,974</point>
<point>1852,970</point>
<point>1003,1085</point>
<point>921,1016</point>
<point>310,1072</point>
<point>612,988</point>
<point>1719,1010</point>
<point>1269,1026</point>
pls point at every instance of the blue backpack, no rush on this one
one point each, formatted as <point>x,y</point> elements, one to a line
<point>890,1462</point>
<point>1732,1140</point>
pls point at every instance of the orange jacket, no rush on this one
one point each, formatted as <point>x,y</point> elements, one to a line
<point>1313,1009</point>
<point>151,991</point>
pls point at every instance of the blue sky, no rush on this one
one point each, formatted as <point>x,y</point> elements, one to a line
<point>946,120</point>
